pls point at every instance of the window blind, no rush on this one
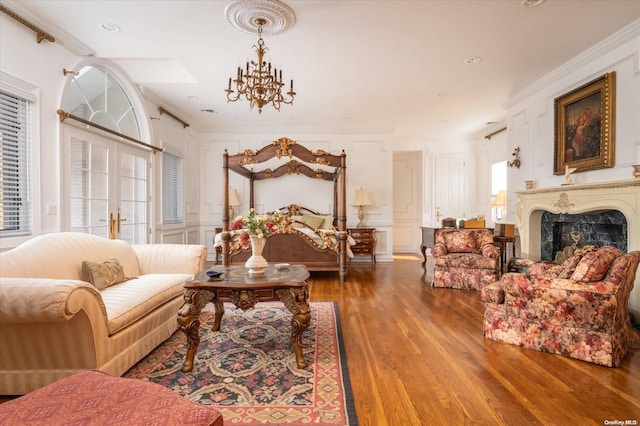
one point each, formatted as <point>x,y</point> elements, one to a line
<point>15,174</point>
<point>172,189</point>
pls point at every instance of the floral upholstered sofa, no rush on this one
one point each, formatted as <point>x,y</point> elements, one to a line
<point>71,302</point>
<point>464,258</point>
<point>578,309</point>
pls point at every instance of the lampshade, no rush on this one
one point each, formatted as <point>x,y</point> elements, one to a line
<point>234,198</point>
<point>499,200</point>
<point>362,198</point>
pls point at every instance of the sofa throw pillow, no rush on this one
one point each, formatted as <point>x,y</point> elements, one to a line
<point>569,266</point>
<point>103,275</point>
<point>594,265</point>
<point>460,242</point>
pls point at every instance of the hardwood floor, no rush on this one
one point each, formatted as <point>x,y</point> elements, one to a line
<point>417,356</point>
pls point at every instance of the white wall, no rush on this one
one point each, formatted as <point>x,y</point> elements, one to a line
<point>369,165</point>
<point>530,122</point>
<point>530,118</point>
<point>171,135</point>
<point>369,156</point>
<point>41,65</point>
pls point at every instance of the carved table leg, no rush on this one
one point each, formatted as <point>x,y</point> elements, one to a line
<point>218,315</point>
<point>189,322</point>
<point>297,302</point>
<point>423,249</point>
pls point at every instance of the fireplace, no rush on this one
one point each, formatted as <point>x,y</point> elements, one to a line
<point>601,228</point>
<point>587,208</point>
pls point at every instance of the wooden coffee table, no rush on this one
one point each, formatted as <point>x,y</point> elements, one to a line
<point>287,285</point>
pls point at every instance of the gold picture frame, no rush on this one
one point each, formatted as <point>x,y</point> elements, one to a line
<point>585,126</point>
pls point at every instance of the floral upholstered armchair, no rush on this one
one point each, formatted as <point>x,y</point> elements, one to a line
<point>465,258</point>
<point>578,309</point>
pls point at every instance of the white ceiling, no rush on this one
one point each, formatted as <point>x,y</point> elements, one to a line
<point>366,66</point>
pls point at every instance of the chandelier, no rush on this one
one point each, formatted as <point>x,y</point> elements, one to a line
<point>258,84</point>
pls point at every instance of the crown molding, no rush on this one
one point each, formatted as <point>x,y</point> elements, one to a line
<point>596,51</point>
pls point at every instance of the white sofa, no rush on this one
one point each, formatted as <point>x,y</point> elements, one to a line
<point>53,324</point>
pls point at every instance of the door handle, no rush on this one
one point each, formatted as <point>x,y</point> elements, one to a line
<point>120,219</point>
<point>112,227</point>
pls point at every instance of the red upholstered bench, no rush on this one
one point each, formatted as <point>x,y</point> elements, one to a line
<point>96,398</point>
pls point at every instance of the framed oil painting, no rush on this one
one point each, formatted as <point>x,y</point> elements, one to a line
<point>585,126</point>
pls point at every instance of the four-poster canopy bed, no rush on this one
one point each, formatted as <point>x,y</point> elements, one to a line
<point>318,241</point>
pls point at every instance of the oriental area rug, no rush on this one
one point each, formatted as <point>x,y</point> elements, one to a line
<point>248,371</point>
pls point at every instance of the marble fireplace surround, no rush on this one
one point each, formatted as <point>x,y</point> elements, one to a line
<point>623,196</point>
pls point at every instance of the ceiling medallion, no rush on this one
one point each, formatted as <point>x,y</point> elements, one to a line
<point>531,3</point>
<point>277,16</point>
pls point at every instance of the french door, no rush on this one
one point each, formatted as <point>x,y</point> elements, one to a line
<point>106,187</point>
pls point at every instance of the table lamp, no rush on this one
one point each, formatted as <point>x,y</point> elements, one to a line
<point>499,202</point>
<point>234,200</point>
<point>361,200</point>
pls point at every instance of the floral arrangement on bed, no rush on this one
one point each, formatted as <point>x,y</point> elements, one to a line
<point>260,225</point>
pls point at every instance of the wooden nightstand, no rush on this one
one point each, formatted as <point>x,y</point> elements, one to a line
<point>365,239</point>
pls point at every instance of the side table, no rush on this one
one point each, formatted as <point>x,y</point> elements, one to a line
<point>428,240</point>
<point>502,241</point>
<point>365,239</point>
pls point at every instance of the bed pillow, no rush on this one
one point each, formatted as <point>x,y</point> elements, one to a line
<point>297,219</point>
<point>312,220</point>
<point>103,275</point>
<point>327,222</point>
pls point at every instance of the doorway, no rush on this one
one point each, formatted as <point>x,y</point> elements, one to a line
<point>106,192</point>
<point>408,188</point>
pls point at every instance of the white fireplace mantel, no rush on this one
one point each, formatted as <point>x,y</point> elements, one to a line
<point>623,196</point>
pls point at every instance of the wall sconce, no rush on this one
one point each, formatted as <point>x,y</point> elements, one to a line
<point>361,201</point>
<point>234,200</point>
<point>516,159</point>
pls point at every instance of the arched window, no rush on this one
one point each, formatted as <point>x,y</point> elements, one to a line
<point>95,95</point>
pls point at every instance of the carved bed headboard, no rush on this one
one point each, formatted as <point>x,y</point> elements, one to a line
<point>298,160</point>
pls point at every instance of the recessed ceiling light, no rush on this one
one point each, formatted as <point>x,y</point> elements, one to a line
<point>108,26</point>
<point>531,3</point>
<point>491,122</point>
<point>474,60</point>
<point>210,111</point>
<point>192,97</point>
